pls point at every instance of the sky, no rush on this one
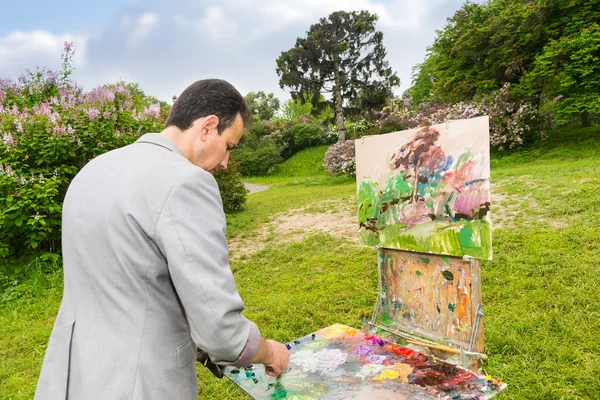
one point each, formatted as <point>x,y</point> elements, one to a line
<point>166,45</point>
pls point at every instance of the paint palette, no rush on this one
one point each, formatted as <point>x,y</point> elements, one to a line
<point>339,362</point>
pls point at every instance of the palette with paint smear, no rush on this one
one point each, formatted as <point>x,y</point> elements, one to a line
<point>339,362</point>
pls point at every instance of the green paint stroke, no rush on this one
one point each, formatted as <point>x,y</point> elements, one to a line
<point>419,273</point>
<point>451,307</point>
<point>280,392</point>
<point>445,259</point>
<point>455,239</point>
<point>424,259</point>
<point>385,319</point>
<point>449,276</point>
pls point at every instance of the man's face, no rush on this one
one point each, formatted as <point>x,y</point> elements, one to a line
<point>214,153</point>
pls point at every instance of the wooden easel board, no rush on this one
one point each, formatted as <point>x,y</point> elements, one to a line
<point>339,362</point>
<point>432,296</point>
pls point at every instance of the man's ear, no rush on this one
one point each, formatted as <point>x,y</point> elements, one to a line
<point>207,125</point>
<point>211,122</point>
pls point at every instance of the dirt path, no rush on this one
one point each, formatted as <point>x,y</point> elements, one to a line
<point>254,188</point>
<point>337,218</point>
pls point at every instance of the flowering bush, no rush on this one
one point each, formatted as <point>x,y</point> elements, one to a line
<point>49,129</point>
<point>355,130</point>
<point>341,158</point>
<point>512,123</point>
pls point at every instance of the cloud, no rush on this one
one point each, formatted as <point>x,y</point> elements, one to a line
<point>26,50</point>
<point>145,25</point>
<point>165,47</point>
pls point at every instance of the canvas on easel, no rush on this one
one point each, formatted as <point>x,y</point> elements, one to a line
<point>427,189</point>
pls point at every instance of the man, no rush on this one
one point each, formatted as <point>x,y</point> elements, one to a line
<point>147,278</point>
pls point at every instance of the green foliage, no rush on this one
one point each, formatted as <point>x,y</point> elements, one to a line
<point>262,106</point>
<point>50,129</point>
<point>569,71</point>
<point>303,136</point>
<point>298,134</point>
<point>294,109</point>
<point>257,155</point>
<point>482,47</point>
<point>548,51</point>
<point>233,191</point>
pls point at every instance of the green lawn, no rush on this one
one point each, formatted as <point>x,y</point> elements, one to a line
<point>540,292</point>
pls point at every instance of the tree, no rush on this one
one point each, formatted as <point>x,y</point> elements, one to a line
<point>567,70</point>
<point>419,158</point>
<point>262,106</point>
<point>343,54</point>
<point>296,108</point>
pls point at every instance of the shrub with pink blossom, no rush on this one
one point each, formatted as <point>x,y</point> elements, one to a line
<point>512,122</point>
<point>341,158</point>
<point>49,129</point>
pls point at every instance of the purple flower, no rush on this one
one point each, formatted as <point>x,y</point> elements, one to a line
<point>68,47</point>
<point>557,98</point>
<point>59,129</point>
<point>52,76</point>
<point>92,113</point>
<point>152,111</point>
<point>9,140</point>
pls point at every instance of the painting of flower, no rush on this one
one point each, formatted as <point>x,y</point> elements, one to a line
<point>427,189</point>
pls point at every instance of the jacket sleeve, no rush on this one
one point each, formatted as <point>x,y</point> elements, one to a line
<point>191,234</point>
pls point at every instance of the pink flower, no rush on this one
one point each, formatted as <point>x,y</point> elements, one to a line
<point>9,140</point>
<point>152,111</point>
<point>92,113</point>
<point>414,214</point>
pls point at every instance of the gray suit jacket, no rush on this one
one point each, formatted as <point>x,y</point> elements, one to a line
<point>147,279</point>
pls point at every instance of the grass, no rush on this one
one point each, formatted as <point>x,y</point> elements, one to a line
<point>540,292</point>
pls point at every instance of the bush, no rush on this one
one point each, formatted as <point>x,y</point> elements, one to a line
<point>303,135</point>
<point>297,134</point>
<point>513,122</point>
<point>49,129</point>
<point>233,191</point>
<point>257,155</point>
<point>341,158</point>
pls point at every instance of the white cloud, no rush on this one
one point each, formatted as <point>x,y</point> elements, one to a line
<point>26,50</point>
<point>145,26</point>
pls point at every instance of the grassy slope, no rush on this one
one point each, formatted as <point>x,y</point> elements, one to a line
<point>540,291</point>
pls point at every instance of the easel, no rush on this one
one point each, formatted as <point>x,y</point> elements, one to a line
<point>431,301</point>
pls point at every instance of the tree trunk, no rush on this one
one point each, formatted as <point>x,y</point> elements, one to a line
<point>585,119</point>
<point>339,116</point>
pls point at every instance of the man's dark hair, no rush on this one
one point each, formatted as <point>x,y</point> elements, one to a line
<point>208,97</point>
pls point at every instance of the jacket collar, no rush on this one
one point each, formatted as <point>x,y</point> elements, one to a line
<point>159,140</point>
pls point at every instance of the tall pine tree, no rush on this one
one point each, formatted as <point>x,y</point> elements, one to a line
<point>343,55</point>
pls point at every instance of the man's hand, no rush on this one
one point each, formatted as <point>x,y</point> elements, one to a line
<point>273,355</point>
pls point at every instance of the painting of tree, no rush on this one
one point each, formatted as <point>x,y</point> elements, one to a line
<point>427,189</point>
